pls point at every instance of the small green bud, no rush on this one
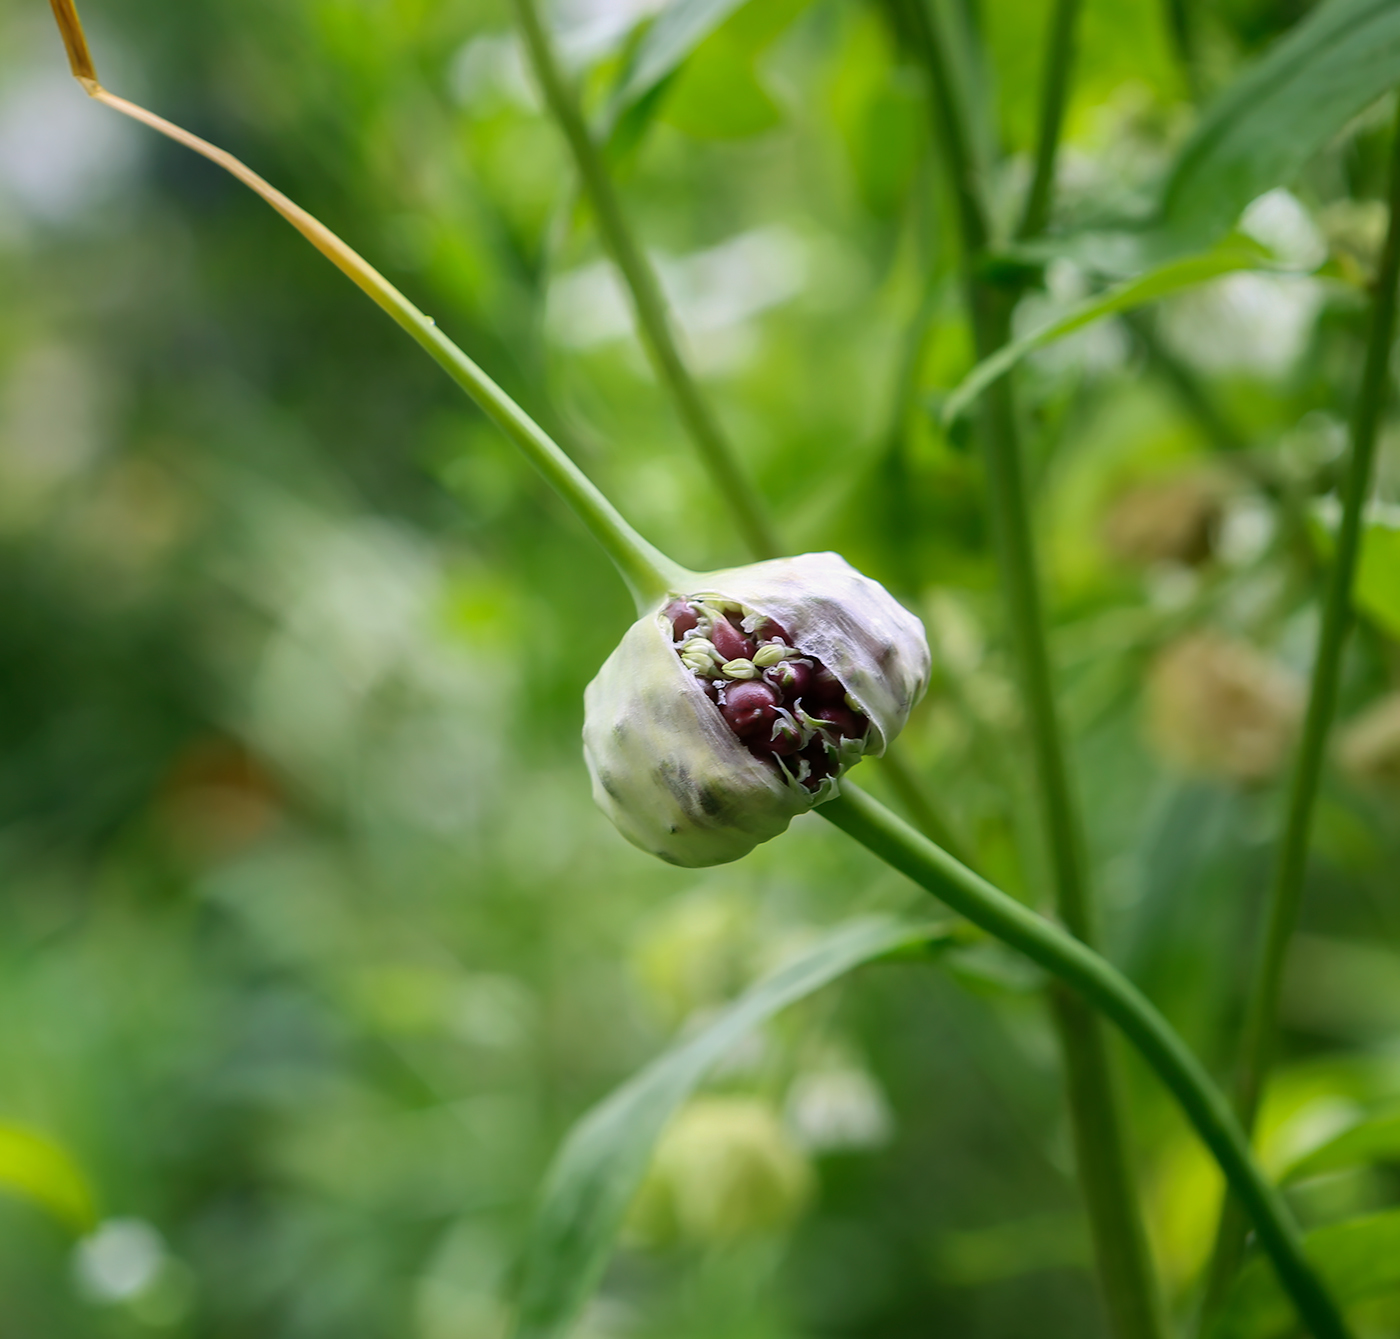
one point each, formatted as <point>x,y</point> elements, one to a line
<point>724,1170</point>
<point>772,654</point>
<point>739,669</point>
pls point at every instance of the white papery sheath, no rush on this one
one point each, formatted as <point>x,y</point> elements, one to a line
<point>666,767</point>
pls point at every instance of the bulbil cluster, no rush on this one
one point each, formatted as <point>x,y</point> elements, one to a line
<point>740,699</point>
<point>784,704</point>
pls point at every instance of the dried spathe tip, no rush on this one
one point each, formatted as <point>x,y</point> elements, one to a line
<point>740,703</point>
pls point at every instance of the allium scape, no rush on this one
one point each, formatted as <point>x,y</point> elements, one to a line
<point>737,703</point>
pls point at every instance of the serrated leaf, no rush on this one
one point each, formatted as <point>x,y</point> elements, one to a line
<point>1275,116</point>
<point>1376,1139</point>
<point>604,1158</point>
<point>1172,276</point>
<point>1358,1260</point>
<point>41,1170</point>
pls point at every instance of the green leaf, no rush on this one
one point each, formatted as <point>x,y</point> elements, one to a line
<point>718,94</point>
<point>1272,119</point>
<point>604,1158</point>
<point>1358,1260</point>
<point>679,29</point>
<point>722,97</point>
<point>1172,276</point>
<point>1375,1139</point>
<point>38,1169</point>
<point>1377,589</point>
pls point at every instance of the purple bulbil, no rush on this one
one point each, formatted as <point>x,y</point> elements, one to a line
<point>793,715</point>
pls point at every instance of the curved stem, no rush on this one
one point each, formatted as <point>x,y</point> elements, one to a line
<point>649,574</point>
<point>653,319</point>
<point>1286,891</point>
<point>1103,1152</point>
<point>1102,985</point>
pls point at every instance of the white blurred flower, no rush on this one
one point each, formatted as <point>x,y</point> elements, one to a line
<point>1278,221</point>
<point>358,608</point>
<point>587,30</point>
<point>60,154</point>
<point>1246,322</point>
<point>119,1261</point>
<point>1246,531</point>
<point>490,71</point>
<point>714,291</point>
<point>832,1110</point>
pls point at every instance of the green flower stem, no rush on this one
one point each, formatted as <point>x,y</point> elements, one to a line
<point>649,574</point>
<point>1102,985</point>
<point>653,319</point>
<point>1286,891</point>
<point>1182,23</point>
<point>1054,96</point>
<point>1102,1147</point>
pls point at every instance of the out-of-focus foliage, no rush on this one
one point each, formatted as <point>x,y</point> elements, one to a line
<point>312,944</point>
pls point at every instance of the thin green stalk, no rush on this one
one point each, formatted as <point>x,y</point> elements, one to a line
<point>649,574</point>
<point>1054,97</point>
<point>1285,894</point>
<point>1102,1147</point>
<point>1182,24</point>
<point>1103,986</point>
<point>653,319</point>
<point>949,124</point>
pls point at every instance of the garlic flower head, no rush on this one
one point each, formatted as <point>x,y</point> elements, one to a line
<point>735,705</point>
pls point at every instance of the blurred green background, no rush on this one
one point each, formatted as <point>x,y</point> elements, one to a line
<point>312,944</point>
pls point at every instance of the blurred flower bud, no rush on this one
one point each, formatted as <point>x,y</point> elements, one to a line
<point>1217,707</point>
<point>725,1169</point>
<point>1355,232</point>
<point>837,1108</point>
<point>735,706</point>
<point>1368,749</point>
<point>695,952</point>
<point>1173,520</point>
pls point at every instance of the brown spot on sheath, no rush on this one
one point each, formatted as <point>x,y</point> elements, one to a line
<point>605,779</point>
